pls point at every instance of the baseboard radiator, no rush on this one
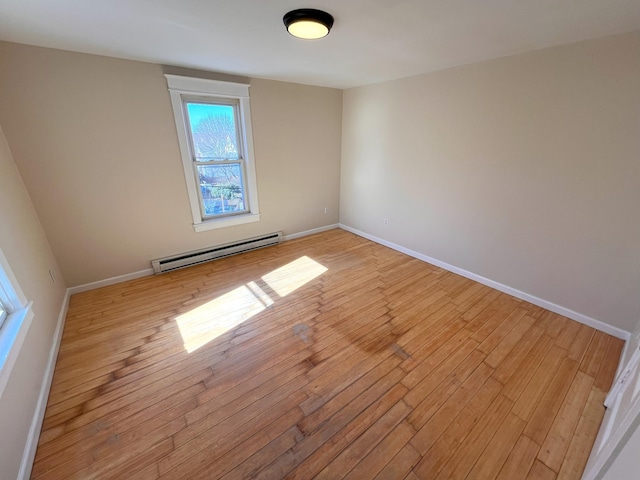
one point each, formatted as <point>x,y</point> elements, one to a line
<point>174,262</point>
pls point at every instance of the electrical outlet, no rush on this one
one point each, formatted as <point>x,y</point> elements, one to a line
<point>326,209</point>
<point>386,221</point>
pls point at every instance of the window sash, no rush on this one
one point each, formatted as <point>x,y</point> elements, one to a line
<point>245,196</point>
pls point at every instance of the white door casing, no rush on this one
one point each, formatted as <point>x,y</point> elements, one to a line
<point>623,416</point>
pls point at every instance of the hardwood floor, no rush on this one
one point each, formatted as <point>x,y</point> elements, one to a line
<point>335,357</point>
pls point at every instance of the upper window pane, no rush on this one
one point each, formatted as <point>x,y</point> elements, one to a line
<point>213,131</point>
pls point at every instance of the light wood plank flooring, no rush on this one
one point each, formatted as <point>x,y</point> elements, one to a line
<point>325,357</point>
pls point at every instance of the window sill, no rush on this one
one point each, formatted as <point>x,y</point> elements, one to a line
<point>14,330</point>
<point>226,222</point>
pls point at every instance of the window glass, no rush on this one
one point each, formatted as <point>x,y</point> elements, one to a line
<point>213,131</point>
<point>222,189</point>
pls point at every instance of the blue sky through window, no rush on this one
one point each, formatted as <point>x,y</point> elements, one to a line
<point>198,111</point>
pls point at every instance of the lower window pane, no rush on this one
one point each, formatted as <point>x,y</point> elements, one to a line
<point>222,189</point>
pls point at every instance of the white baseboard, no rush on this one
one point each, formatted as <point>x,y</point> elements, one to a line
<point>110,281</point>
<point>310,232</point>
<point>38,416</point>
<point>578,317</point>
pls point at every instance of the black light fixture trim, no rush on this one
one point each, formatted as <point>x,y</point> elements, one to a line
<point>308,14</point>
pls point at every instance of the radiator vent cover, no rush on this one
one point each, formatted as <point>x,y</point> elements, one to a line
<point>182,260</point>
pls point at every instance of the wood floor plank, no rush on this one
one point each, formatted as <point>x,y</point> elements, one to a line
<point>423,347</point>
<point>382,366</point>
<point>607,369</point>
<point>429,431</point>
<point>377,459</point>
<point>464,458</point>
<point>579,346</point>
<point>245,378</point>
<point>576,458</point>
<point>539,471</point>
<point>211,412</point>
<point>492,317</point>
<point>470,313</point>
<point>86,454</point>
<point>429,383</point>
<point>437,456</point>
<point>498,449</point>
<point>78,440</point>
<point>520,460</point>
<point>568,335</point>
<point>252,454</point>
<point>517,355</point>
<point>320,448</point>
<point>256,462</point>
<point>470,368</point>
<point>400,465</point>
<point>527,395</point>
<point>385,373</point>
<point>555,445</point>
<point>186,460</point>
<point>508,342</point>
<point>323,390</point>
<point>594,355</point>
<point>354,453</point>
<point>550,402</point>
<point>417,324</point>
<point>497,336</point>
<point>554,323</point>
<point>460,339</point>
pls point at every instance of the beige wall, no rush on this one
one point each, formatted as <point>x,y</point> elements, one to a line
<point>95,141</point>
<point>524,170</point>
<point>25,246</point>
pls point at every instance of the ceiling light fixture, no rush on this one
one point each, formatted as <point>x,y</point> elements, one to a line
<point>308,23</point>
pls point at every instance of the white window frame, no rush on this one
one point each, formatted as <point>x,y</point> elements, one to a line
<point>187,87</point>
<point>16,324</point>
<point>3,312</point>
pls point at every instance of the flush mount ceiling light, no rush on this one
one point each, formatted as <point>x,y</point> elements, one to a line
<point>308,23</point>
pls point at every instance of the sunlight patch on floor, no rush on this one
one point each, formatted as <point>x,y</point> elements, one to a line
<point>293,275</point>
<point>216,317</point>
<point>207,322</point>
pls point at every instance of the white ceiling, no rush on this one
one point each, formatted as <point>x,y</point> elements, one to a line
<point>371,41</point>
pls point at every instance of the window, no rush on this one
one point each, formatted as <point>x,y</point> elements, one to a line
<point>213,122</point>
<point>15,318</point>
